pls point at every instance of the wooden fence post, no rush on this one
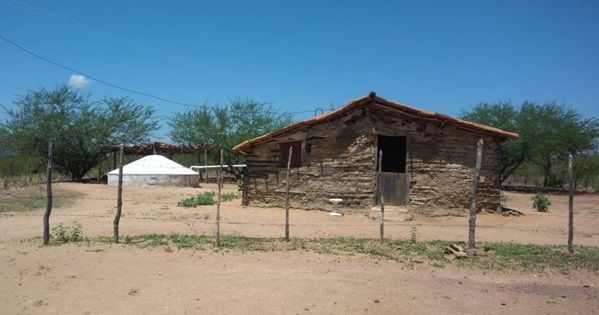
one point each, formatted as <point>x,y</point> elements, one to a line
<point>472,219</point>
<point>114,159</point>
<point>382,198</point>
<point>571,205</point>
<point>200,171</point>
<point>287,195</point>
<point>119,197</point>
<point>219,179</point>
<point>205,163</point>
<point>48,196</point>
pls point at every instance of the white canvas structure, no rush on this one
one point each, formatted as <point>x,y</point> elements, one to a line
<point>154,170</point>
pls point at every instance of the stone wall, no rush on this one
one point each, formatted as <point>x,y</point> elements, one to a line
<point>338,161</point>
<point>441,160</point>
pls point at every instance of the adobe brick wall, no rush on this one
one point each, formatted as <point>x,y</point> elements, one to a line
<point>338,161</point>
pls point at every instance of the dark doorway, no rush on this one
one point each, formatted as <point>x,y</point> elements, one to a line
<point>393,182</point>
<point>394,153</point>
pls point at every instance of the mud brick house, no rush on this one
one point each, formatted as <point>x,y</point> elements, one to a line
<point>428,160</point>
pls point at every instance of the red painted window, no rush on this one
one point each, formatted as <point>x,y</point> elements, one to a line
<point>296,156</point>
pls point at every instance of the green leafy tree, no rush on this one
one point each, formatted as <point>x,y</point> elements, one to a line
<point>586,171</point>
<point>226,126</point>
<point>548,133</point>
<point>504,116</point>
<point>556,131</point>
<point>80,129</point>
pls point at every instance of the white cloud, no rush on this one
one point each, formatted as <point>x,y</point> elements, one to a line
<point>78,81</point>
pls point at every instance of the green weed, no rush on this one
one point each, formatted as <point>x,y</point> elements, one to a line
<point>497,256</point>
<point>541,203</point>
<point>67,234</point>
<point>205,198</point>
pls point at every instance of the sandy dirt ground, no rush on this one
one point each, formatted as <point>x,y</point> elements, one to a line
<point>101,278</point>
<point>154,210</point>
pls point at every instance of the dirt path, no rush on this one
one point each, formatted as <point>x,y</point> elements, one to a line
<point>78,279</point>
<point>116,279</point>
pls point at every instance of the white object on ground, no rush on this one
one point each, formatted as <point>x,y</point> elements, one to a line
<point>335,201</point>
<point>154,165</point>
<point>155,170</point>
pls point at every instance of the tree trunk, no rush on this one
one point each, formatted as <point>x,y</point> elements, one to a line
<point>546,172</point>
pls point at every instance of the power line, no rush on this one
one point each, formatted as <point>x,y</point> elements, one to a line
<point>127,42</point>
<point>115,86</point>
<point>91,76</point>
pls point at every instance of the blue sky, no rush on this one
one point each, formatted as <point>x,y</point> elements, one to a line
<point>300,55</point>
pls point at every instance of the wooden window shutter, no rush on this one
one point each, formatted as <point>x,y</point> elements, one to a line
<point>296,157</point>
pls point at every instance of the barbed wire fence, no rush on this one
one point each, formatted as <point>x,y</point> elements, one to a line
<point>286,226</point>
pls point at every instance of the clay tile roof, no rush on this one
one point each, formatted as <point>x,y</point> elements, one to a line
<point>161,148</point>
<point>373,98</point>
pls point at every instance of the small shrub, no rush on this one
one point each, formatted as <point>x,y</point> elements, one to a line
<point>67,234</point>
<point>541,203</point>
<point>413,234</point>
<point>228,197</point>
<point>205,198</point>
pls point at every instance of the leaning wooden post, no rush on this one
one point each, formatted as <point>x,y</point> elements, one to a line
<point>119,197</point>
<point>287,195</point>
<point>219,179</point>
<point>472,219</point>
<point>48,196</point>
<point>205,163</point>
<point>570,205</point>
<point>382,198</point>
<point>199,154</point>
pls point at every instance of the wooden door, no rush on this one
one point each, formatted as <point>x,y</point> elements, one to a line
<point>393,181</point>
<point>395,188</point>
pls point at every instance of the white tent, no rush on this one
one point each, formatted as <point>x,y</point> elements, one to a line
<point>154,170</point>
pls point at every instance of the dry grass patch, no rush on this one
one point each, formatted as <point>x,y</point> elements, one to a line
<point>497,256</point>
<point>32,198</point>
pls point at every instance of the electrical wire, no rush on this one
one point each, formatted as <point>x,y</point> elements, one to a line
<point>128,42</point>
<point>118,87</point>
